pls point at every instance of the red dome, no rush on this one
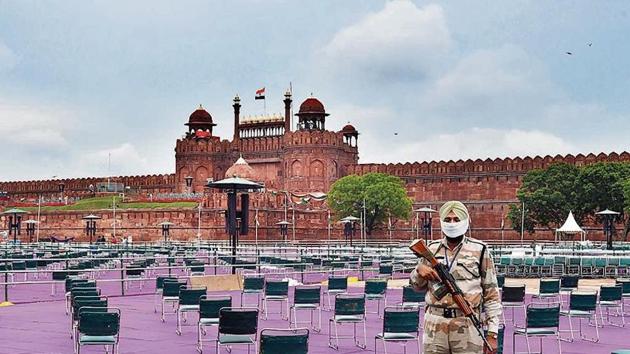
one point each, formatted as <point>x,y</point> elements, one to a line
<point>348,128</point>
<point>312,105</point>
<point>200,116</point>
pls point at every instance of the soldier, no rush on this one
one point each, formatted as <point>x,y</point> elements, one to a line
<point>446,330</point>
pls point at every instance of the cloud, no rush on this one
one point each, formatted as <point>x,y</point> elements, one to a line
<point>33,126</point>
<point>400,42</point>
<point>8,59</point>
<point>493,86</point>
<point>468,144</point>
<point>123,159</point>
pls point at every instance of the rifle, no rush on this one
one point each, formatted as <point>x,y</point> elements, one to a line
<point>419,248</point>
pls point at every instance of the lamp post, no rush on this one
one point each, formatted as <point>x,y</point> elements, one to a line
<point>233,186</point>
<point>166,228</point>
<point>14,222</point>
<point>30,229</point>
<point>90,225</point>
<point>189,181</point>
<point>608,217</point>
<point>427,229</point>
<point>284,229</point>
<point>349,226</point>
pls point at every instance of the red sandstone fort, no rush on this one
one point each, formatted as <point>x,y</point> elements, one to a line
<point>289,162</point>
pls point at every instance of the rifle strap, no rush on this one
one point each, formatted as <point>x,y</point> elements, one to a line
<point>483,254</point>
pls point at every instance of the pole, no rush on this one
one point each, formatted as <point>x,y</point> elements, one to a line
<point>363,231</point>
<point>286,202</point>
<point>256,233</point>
<point>523,223</point>
<point>199,224</point>
<point>114,211</point>
<point>417,226</point>
<point>293,222</point>
<point>39,211</point>
<point>430,225</point>
<point>329,232</point>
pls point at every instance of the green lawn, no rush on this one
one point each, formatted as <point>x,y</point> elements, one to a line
<point>106,203</point>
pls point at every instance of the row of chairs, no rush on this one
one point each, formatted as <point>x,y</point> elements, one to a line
<point>92,321</point>
<point>536,267</point>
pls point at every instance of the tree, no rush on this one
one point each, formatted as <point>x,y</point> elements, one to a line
<point>548,195</point>
<point>384,196</point>
<point>601,186</point>
<point>626,207</point>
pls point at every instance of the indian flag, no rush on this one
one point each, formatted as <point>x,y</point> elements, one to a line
<point>260,94</point>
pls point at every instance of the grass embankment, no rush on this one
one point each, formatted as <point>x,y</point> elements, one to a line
<point>100,203</point>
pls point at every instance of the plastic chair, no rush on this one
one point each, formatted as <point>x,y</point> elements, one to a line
<point>582,305</point>
<point>349,308</point>
<point>376,290</point>
<point>336,285</point>
<point>159,286</point>
<point>400,325</point>
<point>253,285</point>
<point>276,290</point>
<point>549,289</point>
<point>285,341</point>
<point>98,327</point>
<point>611,297</point>
<point>412,298</point>
<point>625,292</point>
<point>513,296</point>
<point>385,270</point>
<point>188,302</point>
<point>209,308</point>
<point>237,326</point>
<point>170,294</point>
<point>539,322</point>
<point>306,298</point>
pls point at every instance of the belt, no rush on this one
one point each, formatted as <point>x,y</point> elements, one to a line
<point>445,312</point>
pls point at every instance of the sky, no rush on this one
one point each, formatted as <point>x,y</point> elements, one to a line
<point>83,81</point>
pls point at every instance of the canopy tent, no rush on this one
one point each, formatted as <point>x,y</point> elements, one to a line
<point>570,227</point>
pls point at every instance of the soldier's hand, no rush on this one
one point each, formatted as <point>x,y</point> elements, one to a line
<point>427,273</point>
<point>493,344</point>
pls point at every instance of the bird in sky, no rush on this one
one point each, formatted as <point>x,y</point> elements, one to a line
<point>395,133</point>
<point>569,53</point>
<point>590,44</point>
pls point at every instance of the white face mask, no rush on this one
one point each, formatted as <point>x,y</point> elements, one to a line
<point>454,229</point>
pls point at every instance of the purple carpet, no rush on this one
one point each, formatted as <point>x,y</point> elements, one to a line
<point>42,327</point>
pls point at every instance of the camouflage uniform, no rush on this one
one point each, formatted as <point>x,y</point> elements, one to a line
<point>479,285</point>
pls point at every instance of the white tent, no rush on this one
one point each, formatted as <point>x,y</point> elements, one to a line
<point>570,227</point>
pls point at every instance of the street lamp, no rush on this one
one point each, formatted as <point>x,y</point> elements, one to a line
<point>232,186</point>
<point>349,227</point>
<point>30,229</point>
<point>284,229</point>
<point>427,230</point>
<point>14,222</point>
<point>166,228</point>
<point>608,217</point>
<point>90,225</point>
<point>189,181</point>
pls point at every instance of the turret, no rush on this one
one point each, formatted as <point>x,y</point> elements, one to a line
<point>287,112</point>
<point>237,112</point>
